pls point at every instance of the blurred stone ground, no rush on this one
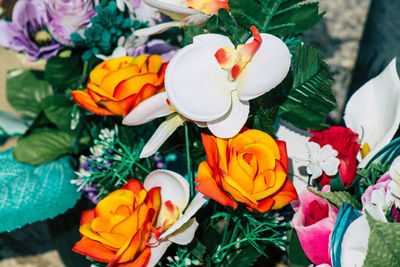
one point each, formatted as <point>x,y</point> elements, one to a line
<point>337,35</point>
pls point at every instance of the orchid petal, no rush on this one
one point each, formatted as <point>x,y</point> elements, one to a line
<point>232,122</point>
<point>355,243</point>
<point>196,85</point>
<point>174,187</point>
<point>213,41</point>
<point>159,28</point>
<point>161,135</point>
<point>157,252</point>
<point>151,108</point>
<point>373,111</point>
<point>296,140</point>
<point>268,67</point>
<point>185,234</point>
<point>197,202</point>
<point>171,7</point>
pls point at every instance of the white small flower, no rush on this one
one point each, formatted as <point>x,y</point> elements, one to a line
<point>321,160</point>
<point>394,184</point>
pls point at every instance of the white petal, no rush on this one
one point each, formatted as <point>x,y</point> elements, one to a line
<point>185,234</point>
<point>171,7</point>
<point>161,135</point>
<point>153,107</point>
<point>159,28</point>
<point>213,41</point>
<point>314,170</point>
<point>373,111</point>
<point>197,202</point>
<point>157,252</point>
<point>355,243</point>
<point>296,140</point>
<point>232,122</point>
<point>266,69</point>
<point>313,148</point>
<point>173,187</point>
<point>196,85</point>
<point>327,151</point>
<point>330,166</point>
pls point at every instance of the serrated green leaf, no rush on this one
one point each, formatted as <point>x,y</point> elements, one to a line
<point>311,97</point>
<point>62,72</point>
<point>297,257</point>
<point>31,194</point>
<point>42,145</point>
<point>192,31</point>
<point>337,198</point>
<point>58,109</point>
<point>383,244</point>
<point>25,91</point>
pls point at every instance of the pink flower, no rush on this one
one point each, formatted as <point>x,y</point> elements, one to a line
<point>314,221</point>
<point>383,182</point>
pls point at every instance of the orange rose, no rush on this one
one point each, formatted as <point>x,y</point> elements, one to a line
<point>250,168</point>
<point>118,229</point>
<point>118,85</point>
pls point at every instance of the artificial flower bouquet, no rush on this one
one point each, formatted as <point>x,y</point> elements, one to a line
<point>197,131</point>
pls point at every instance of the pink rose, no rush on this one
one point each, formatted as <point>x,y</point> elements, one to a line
<point>383,182</point>
<point>314,221</point>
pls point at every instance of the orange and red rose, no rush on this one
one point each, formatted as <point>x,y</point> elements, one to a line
<point>116,86</point>
<point>118,229</point>
<point>250,168</point>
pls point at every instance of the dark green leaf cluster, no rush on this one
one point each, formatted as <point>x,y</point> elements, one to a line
<point>337,198</point>
<point>107,27</point>
<point>278,17</point>
<point>311,97</point>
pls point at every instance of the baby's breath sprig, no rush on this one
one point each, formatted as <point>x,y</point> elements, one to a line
<point>109,166</point>
<point>182,258</point>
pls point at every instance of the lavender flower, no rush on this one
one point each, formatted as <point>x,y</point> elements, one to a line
<point>27,32</point>
<point>68,16</point>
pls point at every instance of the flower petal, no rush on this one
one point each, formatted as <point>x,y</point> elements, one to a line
<point>94,250</point>
<point>184,235</point>
<point>159,28</point>
<point>83,99</point>
<point>161,135</point>
<point>157,252</point>
<point>151,108</point>
<point>195,83</point>
<point>266,69</point>
<point>173,187</point>
<point>373,111</point>
<point>232,122</point>
<point>175,8</point>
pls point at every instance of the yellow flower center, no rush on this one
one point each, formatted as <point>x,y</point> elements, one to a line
<point>42,38</point>
<point>365,150</point>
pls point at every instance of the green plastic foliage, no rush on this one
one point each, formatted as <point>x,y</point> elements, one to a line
<point>383,244</point>
<point>42,145</point>
<point>311,97</point>
<point>58,109</point>
<point>278,17</point>
<point>25,91</point>
<point>29,194</point>
<point>63,70</point>
<point>337,198</point>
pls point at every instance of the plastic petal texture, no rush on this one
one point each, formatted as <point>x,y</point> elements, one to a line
<point>268,67</point>
<point>157,252</point>
<point>159,28</point>
<point>34,193</point>
<point>232,122</point>
<point>185,234</point>
<point>373,111</point>
<point>162,133</point>
<point>151,108</point>
<point>196,85</point>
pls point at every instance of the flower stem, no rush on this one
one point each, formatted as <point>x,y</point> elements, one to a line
<point>189,161</point>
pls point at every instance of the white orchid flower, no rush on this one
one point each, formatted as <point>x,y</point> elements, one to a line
<point>182,12</point>
<point>373,112</point>
<point>174,189</point>
<point>210,81</point>
<point>321,159</point>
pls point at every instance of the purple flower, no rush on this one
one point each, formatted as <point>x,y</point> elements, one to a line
<point>154,47</point>
<point>68,16</point>
<point>27,32</point>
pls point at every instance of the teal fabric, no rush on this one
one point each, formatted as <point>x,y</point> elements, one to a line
<point>347,214</point>
<point>34,193</point>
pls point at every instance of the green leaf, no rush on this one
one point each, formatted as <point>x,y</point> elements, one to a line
<point>30,194</point>
<point>337,198</point>
<point>63,70</point>
<point>297,257</point>
<point>279,17</point>
<point>42,145</point>
<point>245,257</point>
<point>192,31</point>
<point>311,97</point>
<point>383,244</point>
<point>25,91</point>
<point>58,109</point>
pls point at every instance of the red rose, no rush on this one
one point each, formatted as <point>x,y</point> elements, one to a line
<point>344,141</point>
